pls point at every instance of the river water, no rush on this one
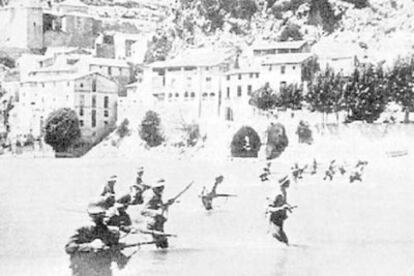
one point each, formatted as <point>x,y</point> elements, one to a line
<point>339,228</point>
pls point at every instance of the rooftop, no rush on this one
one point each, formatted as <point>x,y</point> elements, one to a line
<point>106,61</point>
<point>75,3</point>
<point>65,77</point>
<point>267,45</point>
<point>195,58</point>
<point>243,71</point>
<point>286,59</point>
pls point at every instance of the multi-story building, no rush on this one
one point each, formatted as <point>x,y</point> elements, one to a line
<point>116,44</point>
<point>265,48</point>
<point>281,70</point>
<point>190,85</point>
<point>238,86</point>
<point>92,95</point>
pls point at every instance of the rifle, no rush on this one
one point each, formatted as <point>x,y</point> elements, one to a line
<point>225,195</point>
<point>156,233</point>
<point>122,246</point>
<point>172,200</point>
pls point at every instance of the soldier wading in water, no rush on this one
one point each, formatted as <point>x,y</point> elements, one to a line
<point>207,197</point>
<point>93,248</point>
<point>278,211</point>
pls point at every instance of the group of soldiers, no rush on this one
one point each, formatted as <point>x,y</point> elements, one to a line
<point>278,207</point>
<point>355,172</point>
<point>94,247</point>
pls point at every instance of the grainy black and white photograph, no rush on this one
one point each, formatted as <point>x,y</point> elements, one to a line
<point>206,137</point>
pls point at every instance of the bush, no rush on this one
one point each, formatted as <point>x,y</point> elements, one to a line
<point>277,140</point>
<point>62,129</point>
<point>123,129</point>
<point>150,130</point>
<point>246,143</point>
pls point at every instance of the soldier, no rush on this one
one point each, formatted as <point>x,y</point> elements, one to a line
<point>138,188</point>
<point>207,197</point>
<point>118,216</point>
<point>93,248</point>
<point>278,211</point>
<point>154,211</point>
<point>330,172</point>
<point>356,174</point>
<point>109,186</point>
<point>266,172</point>
<point>297,172</point>
<point>314,167</point>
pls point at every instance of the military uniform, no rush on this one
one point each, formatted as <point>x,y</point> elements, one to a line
<point>277,219</point>
<point>85,259</point>
<point>155,218</point>
<point>86,262</point>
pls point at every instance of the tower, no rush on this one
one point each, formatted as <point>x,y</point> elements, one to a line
<point>21,25</point>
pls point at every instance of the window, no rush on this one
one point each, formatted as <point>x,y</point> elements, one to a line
<point>282,84</point>
<point>94,84</point>
<point>282,69</point>
<point>294,67</point>
<point>109,70</point>
<point>81,85</point>
<point>192,95</point>
<point>106,102</point>
<point>212,94</point>
<point>81,123</point>
<point>251,75</point>
<point>170,95</point>
<point>186,94</point>
<point>249,90</point>
<point>177,95</point>
<point>81,111</point>
<point>208,79</point>
<point>82,100</point>
<point>106,113</point>
<point>43,84</point>
<point>93,118</point>
<point>257,75</point>
<point>205,94</point>
<point>105,123</point>
<point>240,76</point>
<point>94,101</point>
<point>270,67</point>
<point>68,84</point>
<point>228,77</point>
<point>239,91</point>
<point>228,93</point>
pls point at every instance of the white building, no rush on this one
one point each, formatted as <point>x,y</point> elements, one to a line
<point>188,86</point>
<point>117,45</point>
<point>238,86</point>
<point>92,95</point>
<point>282,70</point>
<point>265,48</point>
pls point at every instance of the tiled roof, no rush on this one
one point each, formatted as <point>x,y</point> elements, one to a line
<point>286,59</point>
<point>266,45</point>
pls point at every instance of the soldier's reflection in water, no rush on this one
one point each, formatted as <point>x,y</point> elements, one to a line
<point>94,247</point>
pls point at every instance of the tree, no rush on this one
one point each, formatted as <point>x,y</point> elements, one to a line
<point>291,32</point>
<point>401,85</point>
<point>359,4</point>
<point>264,98</point>
<point>62,129</point>
<point>290,96</point>
<point>158,48</point>
<point>325,93</point>
<point>365,94</point>
<point>150,130</point>
<point>123,129</point>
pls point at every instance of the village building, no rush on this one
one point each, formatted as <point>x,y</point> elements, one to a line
<point>238,86</point>
<point>188,86</point>
<point>116,45</point>
<point>281,70</point>
<point>92,95</point>
<point>265,48</point>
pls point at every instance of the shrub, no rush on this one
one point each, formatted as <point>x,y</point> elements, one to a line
<point>150,130</point>
<point>277,140</point>
<point>246,143</point>
<point>123,129</point>
<point>62,129</point>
